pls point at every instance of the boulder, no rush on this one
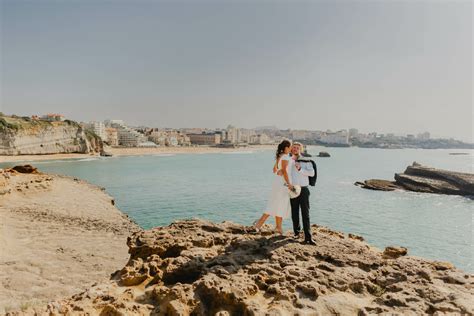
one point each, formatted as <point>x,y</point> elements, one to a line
<point>25,169</point>
<point>324,154</point>
<point>393,252</point>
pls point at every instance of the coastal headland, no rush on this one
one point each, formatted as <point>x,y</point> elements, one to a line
<point>64,251</point>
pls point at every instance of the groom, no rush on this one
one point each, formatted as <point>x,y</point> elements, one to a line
<point>300,171</point>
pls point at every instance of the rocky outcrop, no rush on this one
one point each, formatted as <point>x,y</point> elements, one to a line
<point>379,185</point>
<point>324,154</point>
<point>24,136</point>
<point>420,178</point>
<point>196,267</point>
<point>24,169</point>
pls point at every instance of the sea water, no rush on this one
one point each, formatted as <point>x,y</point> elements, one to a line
<point>158,189</point>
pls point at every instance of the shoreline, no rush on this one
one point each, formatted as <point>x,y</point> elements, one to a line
<point>134,151</point>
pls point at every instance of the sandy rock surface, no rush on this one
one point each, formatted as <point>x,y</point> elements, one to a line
<point>57,237</point>
<point>195,267</point>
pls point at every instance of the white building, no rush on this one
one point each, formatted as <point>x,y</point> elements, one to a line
<point>246,135</point>
<point>129,137</point>
<point>260,139</point>
<point>99,129</point>
<point>340,138</point>
<point>233,134</point>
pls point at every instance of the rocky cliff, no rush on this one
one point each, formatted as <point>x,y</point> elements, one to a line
<point>195,267</point>
<point>420,178</point>
<point>24,136</point>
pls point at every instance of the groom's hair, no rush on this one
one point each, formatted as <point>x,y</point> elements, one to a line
<point>298,144</point>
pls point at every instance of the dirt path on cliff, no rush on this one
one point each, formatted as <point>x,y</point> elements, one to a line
<point>58,236</point>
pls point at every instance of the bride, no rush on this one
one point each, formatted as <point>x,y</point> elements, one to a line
<point>279,202</point>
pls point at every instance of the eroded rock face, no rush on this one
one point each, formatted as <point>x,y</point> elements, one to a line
<point>419,178</point>
<point>196,267</point>
<point>46,138</point>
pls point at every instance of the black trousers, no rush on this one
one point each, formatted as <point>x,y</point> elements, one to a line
<point>302,201</point>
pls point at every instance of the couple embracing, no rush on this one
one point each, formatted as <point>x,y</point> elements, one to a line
<point>290,192</point>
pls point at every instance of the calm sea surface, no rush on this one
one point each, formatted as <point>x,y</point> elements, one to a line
<point>155,190</point>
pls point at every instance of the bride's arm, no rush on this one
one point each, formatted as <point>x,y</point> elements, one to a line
<point>284,164</point>
<point>275,167</point>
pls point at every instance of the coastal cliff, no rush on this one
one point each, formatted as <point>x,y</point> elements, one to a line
<point>25,136</point>
<point>196,267</point>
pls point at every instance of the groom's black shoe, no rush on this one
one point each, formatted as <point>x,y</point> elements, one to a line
<point>309,242</point>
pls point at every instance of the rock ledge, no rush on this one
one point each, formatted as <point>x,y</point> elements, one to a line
<point>195,267</point>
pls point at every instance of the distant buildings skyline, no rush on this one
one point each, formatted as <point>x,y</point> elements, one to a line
<point>116,132</point>
<point>100,127</point>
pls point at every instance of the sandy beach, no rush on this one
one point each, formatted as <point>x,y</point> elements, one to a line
<point>58,235</point>
<point>124,151</point>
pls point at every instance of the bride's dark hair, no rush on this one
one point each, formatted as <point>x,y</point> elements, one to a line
<point>281,148</point>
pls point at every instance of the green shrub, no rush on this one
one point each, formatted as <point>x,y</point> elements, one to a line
<point>72,123</point>
<point>4,125</point>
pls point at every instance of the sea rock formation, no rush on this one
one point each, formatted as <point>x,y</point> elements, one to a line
<point>25,136</point>
<point>195,267</point>
<point>324,154</point>
<point>420,178</point>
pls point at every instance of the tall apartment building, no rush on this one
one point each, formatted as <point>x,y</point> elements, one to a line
<point>232,134</point>
<point>98,128</point>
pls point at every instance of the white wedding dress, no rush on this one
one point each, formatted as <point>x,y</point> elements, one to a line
<point>279,201</point>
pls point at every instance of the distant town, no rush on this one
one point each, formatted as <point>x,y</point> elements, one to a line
<point>117,133</point>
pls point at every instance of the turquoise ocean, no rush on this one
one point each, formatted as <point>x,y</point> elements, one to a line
<point>157,189</point>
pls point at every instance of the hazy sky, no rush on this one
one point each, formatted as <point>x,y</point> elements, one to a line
<point>386,66</point>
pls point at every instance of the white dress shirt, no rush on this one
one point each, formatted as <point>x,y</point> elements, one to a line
<point>300,177</point>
